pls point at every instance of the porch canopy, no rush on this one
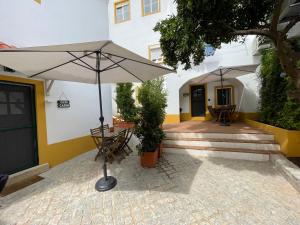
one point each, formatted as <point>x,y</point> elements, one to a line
<point>77,62</point>
<point>227,73</point>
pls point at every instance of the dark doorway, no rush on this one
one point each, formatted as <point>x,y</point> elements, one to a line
<point>18,145</point>
<point>198,100</point>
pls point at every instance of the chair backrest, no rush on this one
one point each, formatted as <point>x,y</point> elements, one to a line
<point>232,110</point>
<point>97,130</point>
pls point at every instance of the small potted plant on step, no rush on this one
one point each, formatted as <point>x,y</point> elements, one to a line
<point>151,113</point>
<point>126,105</point>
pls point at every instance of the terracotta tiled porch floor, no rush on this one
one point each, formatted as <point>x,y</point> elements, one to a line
<point>211,127</point>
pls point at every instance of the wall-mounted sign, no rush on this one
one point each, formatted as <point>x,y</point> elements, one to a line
<point>63,104</point>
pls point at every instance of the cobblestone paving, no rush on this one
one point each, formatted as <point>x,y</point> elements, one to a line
<point>181,190</point>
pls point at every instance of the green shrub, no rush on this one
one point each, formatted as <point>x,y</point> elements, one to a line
<point>153,100</point>
<point>125,102</point>
<point>276,108</point>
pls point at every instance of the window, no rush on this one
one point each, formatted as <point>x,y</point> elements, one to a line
<point>12,103</point>
<point>155,54</point>
<point>224,96</point>
<point>122,11</point>
<point>150,7</point>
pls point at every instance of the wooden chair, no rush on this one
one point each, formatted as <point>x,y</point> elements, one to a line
<point>125,147</point>
<point>213,113</point>
<point>114,148</point>
<point>96,135</point>
<point>97,130</point>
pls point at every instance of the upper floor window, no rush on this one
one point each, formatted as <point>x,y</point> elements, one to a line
<point>155,54</point>
<point>122,11</point>
<point>150,7</point>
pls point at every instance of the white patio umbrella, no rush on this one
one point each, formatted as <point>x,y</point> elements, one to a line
<point>223,73</point>
<point>91,62</point>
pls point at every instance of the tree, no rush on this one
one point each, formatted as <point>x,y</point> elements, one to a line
<point>125,102</point>
<point>222,21</point>
<point>151,114</point>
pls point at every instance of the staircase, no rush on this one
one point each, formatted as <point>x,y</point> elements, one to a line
<point>246,146</point>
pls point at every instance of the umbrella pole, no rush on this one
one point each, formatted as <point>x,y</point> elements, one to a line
<point>107,182</point>
<point>224,122</point>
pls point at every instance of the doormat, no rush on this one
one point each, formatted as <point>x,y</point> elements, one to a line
<point>20,185</point>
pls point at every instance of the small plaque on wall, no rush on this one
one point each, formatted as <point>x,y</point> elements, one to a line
<point>63,104</point>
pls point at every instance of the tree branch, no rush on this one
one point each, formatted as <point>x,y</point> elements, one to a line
<point>266,33</point>
<point>276,15</point>
<point>292,23</point>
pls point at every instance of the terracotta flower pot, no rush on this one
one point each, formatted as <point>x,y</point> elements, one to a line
<point>125,125</point>
<point>149,159</point>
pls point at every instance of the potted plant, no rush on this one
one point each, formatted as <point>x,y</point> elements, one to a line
<point>126,105</point>
<point>151,113</point>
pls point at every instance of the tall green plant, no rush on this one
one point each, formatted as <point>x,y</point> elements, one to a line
<point>153,100</point>
<point>276,108</point>
<point>125,102</point>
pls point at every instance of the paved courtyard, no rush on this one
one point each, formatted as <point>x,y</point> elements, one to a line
<point>182,190</point>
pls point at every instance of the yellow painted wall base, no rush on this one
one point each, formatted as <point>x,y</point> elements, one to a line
<point>188,117</point>
<point>288,140</point>
<point>172,118</point>
<point>248,115</point>
<point>59,152</point>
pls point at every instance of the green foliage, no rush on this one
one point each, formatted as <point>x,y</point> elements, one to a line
<point>151,114</point>
<point>212,22</point>
<point>276,107</point>
<point>125,102</point>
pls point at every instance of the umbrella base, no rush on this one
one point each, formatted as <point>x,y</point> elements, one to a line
<point>106,184</point>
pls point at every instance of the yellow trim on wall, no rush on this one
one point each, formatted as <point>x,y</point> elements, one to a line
<point>185,116</point>
<point>151,13</point>
<point>232,93</point>
<point>248,115</point>
<point>172,118</point>
<point>116,3</point>
<point>288,140</point>
<point>58,152</point>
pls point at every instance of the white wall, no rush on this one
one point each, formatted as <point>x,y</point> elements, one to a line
<point>26,23</point>
<point>76,121</point>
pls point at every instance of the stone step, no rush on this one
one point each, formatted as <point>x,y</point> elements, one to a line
<point>244,136</point>
<point>242,150</point>
<point>26,174</point>
<point>242,154</point>
<point>220,144</point>
<point>223,140</point>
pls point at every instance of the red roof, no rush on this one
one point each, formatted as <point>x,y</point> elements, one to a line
<point>3,45</point>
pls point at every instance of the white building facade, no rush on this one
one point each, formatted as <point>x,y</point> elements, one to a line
<point>131,24</point>
<point>59,134</point>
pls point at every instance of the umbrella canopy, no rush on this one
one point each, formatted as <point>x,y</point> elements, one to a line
<point>77,62</point>
<point>227,73</point>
